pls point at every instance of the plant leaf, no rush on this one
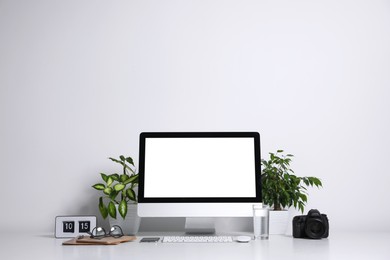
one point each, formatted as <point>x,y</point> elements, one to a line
<point>107,190</point>
<point>119,187</point>
<point>122,208</point>
<point>102,208</point>
<point>132,179</point>
<point>130,160</point>
<point>112,209</point>
<point>123,177</point>
<point>317,182</point>
<point>301,206</point>
<point>115,160</point>
<point>303,197</point>
<point>120,162</point>
<point>109,181</point>
<point>115,176</point>
<point>130,194</point>
<point>104,177</point>
<point>113,195</point>
<point>99,186</point>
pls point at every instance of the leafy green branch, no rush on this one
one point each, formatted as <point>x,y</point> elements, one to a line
<point>280,187</point>
<point>118,188</point>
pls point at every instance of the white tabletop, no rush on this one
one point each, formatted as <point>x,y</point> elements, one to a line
<point>341,245</point>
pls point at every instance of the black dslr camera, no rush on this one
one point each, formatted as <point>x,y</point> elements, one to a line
<point>314,225</point>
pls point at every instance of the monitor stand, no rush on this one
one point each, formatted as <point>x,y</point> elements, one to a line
<point>200,226</point>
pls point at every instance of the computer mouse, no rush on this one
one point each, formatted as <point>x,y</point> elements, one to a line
<point>243,239</point>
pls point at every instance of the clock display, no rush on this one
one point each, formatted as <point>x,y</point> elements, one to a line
<point>73,226</point>
<point>84,226</point>
<point>68,226</point>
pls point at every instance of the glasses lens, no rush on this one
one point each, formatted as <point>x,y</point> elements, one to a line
<point>98,232</point>
<point>116,231</point>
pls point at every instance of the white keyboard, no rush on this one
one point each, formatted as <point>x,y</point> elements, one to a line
<point>197,239</point>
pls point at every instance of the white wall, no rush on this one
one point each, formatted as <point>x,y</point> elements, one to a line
<point>79,80</point>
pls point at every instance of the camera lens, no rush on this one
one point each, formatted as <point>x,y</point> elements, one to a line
<point>315,228</point>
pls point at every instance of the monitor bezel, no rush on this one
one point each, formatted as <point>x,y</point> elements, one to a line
<point>145,135</point>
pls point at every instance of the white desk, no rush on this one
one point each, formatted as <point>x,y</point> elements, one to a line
<point>339,246</point>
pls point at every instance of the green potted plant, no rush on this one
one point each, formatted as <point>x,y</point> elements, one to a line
<point>282,189</point>
<point>119,196</point>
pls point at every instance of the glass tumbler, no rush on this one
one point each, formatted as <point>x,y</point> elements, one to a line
<point>260,222</point>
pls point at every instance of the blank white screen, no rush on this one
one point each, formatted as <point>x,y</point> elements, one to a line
<point>199,167</point>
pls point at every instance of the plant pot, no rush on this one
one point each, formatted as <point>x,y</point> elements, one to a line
<point>278,222</point>
<point>130,225</point>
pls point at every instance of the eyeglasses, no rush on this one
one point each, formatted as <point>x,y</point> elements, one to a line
<point>99,232</point>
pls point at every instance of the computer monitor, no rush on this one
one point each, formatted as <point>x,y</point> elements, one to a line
<point>199,174</point>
